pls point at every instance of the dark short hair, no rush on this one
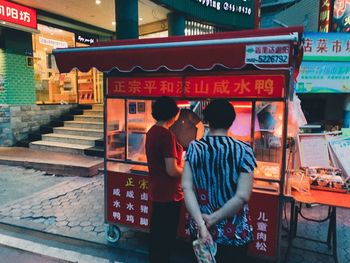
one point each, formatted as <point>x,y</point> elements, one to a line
<point>164,108</point>
<point>220,114</point>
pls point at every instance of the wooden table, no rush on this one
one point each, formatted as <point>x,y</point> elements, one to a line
<point>330,199</point>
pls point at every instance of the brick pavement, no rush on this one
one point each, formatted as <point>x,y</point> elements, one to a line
<point>75,208</point>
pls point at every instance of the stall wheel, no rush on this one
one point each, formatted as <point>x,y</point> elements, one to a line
<point>113,234</point>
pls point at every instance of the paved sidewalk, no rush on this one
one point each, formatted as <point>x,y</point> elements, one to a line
<point>74,207</point>
<point>9,254</point>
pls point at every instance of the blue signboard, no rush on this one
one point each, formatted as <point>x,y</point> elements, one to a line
<point>326,46</point>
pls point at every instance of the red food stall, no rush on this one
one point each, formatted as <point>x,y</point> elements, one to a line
<point>253,69</point>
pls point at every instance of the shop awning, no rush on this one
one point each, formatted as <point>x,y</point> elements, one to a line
<point>230,50</point>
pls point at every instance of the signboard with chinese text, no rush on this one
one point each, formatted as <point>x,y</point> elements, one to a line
<point>17,14</point>
<point>323,77</point>
<point>52,42</point>
<point>128,200</point>
<point>245,86</point>
<point>242,86</point>
<point>324,18</point>
<point>327,46</point>
<point>148,87</point>
<point>264,219</point>
<point>341,16</point>
<point>277,54</point>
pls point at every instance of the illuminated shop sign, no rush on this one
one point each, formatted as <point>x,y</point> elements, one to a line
<point>239,14</point>
<point>324,16</point>
<point>239,7</point>
<point>341,16</point>
<point>85,39</point>
<point>327,46</point>
<point>17,14</point>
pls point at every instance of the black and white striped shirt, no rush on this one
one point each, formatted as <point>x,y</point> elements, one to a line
<point>216,163</point>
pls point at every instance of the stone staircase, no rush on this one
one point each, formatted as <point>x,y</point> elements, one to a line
<point>82,135</point>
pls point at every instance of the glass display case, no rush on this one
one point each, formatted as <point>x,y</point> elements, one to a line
<point>128,121</point>
<point>127,124</point>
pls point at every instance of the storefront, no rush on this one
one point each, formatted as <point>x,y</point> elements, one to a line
<point>323,84</point>
<point>54,88</point>
<point>32,92</point>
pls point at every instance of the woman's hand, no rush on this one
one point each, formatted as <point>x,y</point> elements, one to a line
<point>204,234</point>
<point>210,220</point>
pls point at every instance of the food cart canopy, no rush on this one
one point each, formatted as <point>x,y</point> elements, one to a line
<point>204,52</point>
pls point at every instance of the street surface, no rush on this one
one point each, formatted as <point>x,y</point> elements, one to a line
<point>9,254</point>
<point>68,212</point>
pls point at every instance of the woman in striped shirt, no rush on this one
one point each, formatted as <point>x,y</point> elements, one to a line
<point>217,183</point>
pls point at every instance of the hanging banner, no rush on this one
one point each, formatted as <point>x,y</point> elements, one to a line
<point>17,14</point>
<point>242,86</point>
<point>327,46</point>
<point>323,77</point>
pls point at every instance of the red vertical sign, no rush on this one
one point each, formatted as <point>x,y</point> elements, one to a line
<point>324,18</point>
<point>17,14</point>
<point>264,218</point>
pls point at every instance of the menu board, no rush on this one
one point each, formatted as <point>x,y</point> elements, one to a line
<point>341,153</point>
<point>313,150</point>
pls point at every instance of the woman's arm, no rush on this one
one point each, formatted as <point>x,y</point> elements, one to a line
<point>192,203</point>
<point>172,168</point>
<point>236,203</point>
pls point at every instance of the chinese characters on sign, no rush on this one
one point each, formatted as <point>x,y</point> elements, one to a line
<point>128,200</point>
<point>264,219</point>
<point>247,86</point>
<point>277,54</point>
<point>327,46</point>
<point>324,18</point>
<point>171,86</point>
<point>261,232</point>
<point>17,14</point>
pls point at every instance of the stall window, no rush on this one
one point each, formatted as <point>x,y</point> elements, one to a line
<point>241,127</point>
<point>115,135</point>
<point>51,86</point>
<point>126,134</point>
<point>139,118</point>
<point>268,139</point>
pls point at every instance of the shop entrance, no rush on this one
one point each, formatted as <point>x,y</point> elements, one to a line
<point>53,87</point>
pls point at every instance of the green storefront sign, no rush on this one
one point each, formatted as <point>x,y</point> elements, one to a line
<point>239,14</point>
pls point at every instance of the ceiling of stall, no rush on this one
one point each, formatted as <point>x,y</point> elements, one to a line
<point>101,15</point>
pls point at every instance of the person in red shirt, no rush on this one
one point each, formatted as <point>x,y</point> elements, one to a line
<point>164,158</point>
